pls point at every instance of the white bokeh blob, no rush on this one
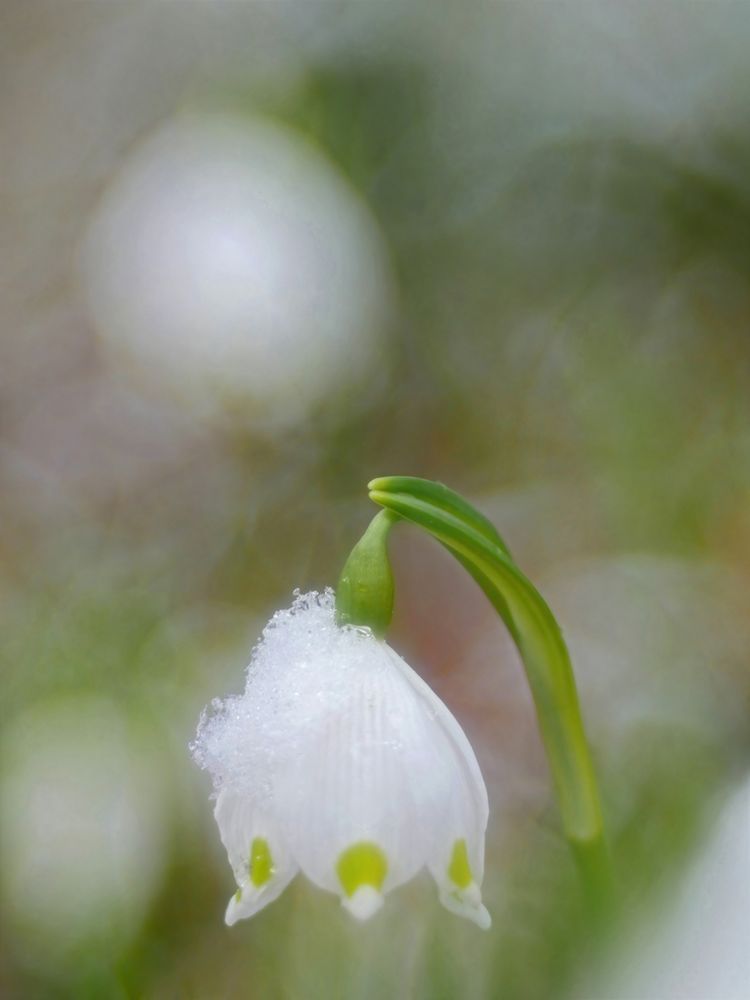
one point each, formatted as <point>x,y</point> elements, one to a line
<point>82,825</point>
<point>229,259</point>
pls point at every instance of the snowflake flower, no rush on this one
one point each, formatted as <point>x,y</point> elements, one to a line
<point>339,761</point>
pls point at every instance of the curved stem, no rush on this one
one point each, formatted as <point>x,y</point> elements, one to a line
<point>543,652</point>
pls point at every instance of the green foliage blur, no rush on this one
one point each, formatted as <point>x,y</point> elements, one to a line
<point>563,192</point>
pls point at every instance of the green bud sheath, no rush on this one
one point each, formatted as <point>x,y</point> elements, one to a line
<point>364,594</point>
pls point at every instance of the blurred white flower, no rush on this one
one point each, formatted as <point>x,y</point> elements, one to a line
<point>83,825</point>
<point>230,260</point>
<point>692,944</point>
<point>339,761</point>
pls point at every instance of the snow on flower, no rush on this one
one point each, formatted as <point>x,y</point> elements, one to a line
<point>339,761</point>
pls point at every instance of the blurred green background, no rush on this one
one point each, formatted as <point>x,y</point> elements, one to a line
<point>255,254</point>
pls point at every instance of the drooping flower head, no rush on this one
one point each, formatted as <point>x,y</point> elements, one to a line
<point>339,761</point>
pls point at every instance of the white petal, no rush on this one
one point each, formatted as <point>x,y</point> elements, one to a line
<point>367,775</point>
<point>468,806</point>
<point>471,908</point>
<point>243,827</point>
<point>457,862</point>
<point>364,903</point>
<point>384,769</point>
<point>464,819</point>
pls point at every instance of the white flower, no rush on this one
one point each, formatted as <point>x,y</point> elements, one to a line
<point>340,761</point>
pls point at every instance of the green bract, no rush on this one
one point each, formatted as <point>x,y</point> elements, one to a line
<point>364,593</point>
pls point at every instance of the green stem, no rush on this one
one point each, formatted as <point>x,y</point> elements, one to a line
<point>464,532</point>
